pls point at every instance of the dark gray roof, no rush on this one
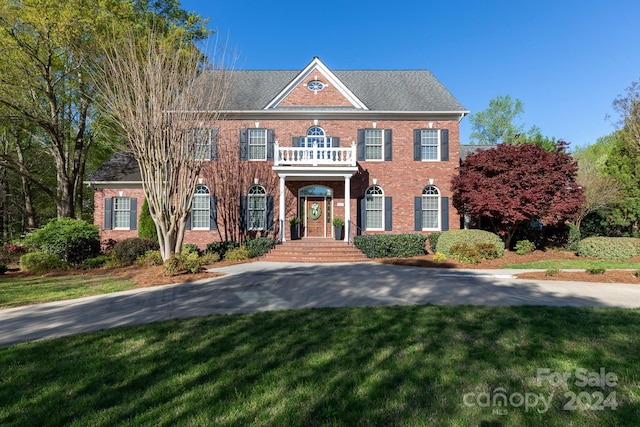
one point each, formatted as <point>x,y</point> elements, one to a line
<point>122,166</point>
<point>466,150</point>
<point>379,90</point>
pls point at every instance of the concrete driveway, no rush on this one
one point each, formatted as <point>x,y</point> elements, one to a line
<point>262,286</point>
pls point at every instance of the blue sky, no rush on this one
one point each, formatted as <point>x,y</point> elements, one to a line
<point>566,60</point>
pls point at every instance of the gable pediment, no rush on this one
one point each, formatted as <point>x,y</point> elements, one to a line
<point>316,86</point>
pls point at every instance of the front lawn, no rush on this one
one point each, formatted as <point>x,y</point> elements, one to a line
<point>420,365</point>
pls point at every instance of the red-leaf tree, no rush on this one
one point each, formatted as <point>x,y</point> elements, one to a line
<point>513,184</point>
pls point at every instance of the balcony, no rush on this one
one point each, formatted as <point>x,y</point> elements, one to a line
<point>314,156</point>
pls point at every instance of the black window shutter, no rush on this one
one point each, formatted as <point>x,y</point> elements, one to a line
<point>388,212</point>
<point>213,213</point>
<point>417,149</point>
<point>362,212</point>
<point>417,213</point>
<point>243,144</point>
<point>244,205</point>
<point>133,212</point>
<point>387,145</point>
<point>108,213</point>
<point>444,211</point>
<point>270,205</point>
<point>213,155</point>
<point>295,141</point>
<point>271,138</point>
<point>361,145</point>
<point>335,142</point>
<point>444,144</point>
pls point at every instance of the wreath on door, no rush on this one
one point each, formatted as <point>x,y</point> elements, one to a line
<point>316,211</point>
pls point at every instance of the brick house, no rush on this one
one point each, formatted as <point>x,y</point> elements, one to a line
<point>377,148</point>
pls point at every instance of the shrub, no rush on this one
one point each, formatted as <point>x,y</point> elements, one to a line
<point>237,254</point>
<point>607,247</point>
<point>636,273</point>
<point>524,247</point>
<point>439,257</point>
<point>146,226</point>
<point>209,258</point>
<point>10,253</point>
<point>71,239</point>
<point>447,239</point>
<point>190,248</point>
<point>3,268</point>
<point>221,248</point>
<point>128,250</point>
<point>596,270</point>
<point>338,222</point>
<point>391,245</point>
<point>171,266</point>
<point>573,239</point>
<point>41,262</point>
<point>150,258</point>
<point>259,246</point>
<point>95,262</point>
<point>186,262</point>
<point>433,240</point>
<point>552,271</point>
<point>465,253</point>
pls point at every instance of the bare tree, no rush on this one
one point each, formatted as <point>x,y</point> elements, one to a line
<point>232,181</point>
<point>152,85</point>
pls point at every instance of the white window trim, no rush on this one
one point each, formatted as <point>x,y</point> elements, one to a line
<point>382,218</point>
<point>439,148</point>
<point>263,194</point>
<point>439,226</point>
<point>206,195</point>
<point>115,199</point>
<point>381,159</point>
<point>266,143</point>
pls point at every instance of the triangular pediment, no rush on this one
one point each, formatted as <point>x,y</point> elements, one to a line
<point>316,86</point>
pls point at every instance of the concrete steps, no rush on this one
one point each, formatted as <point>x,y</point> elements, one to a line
<point>315,250</point>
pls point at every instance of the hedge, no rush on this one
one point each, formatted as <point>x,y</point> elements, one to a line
<point>128,250</point>
<point>71,239</point>
<point>609,247</point>
<point>391,245</point>
<point>41,262</point>
<point>259,246</point>
<point>470,238</point>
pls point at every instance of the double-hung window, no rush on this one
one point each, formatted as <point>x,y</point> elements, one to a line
<point>374,143</point>
<point>122,213</point>
<point>430,144</point>
<point>201,209</point>
<point>374,202</point>
<point>430,208</point>
<point>257,139</point>
<point>257,209</point>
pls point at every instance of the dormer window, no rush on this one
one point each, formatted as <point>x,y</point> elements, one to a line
<point>315,85</point>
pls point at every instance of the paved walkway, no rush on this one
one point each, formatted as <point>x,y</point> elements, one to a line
<point>262,286</point>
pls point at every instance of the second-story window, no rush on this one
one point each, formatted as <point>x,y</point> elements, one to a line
<point>373,142</point>
<point>257,144</point>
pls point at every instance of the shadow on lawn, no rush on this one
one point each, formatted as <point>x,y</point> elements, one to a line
<point>327,366</point>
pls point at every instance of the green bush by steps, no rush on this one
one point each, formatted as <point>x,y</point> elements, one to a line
<point>391,245</point>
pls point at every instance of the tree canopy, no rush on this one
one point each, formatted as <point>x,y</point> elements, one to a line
<point>514,184</point>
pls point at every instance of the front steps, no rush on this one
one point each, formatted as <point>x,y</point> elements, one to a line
<point>315,250</point>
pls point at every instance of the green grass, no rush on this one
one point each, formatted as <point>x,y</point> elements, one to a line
<point>16,292</point>
<point>340,367</point>
<point>565,264</point>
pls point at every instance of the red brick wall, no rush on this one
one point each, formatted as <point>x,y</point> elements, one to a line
<point>402,178</point>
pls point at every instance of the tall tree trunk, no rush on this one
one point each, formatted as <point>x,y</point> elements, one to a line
<point>29,211</point>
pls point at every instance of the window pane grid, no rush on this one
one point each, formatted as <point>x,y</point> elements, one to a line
<point>257,208</point>
<point>373,142</point>
<point>257,144</point>
<point>121,212</point>
<point>429,144</point>
<point>374,208</point>
<point>430,208</point>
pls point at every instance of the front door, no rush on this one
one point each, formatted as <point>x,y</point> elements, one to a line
<point>316,216</point>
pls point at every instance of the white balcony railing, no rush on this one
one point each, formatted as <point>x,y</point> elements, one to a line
<point>314,156</point>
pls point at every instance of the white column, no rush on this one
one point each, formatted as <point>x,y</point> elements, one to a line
<point>347,207</point>
<point>281,209</point>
